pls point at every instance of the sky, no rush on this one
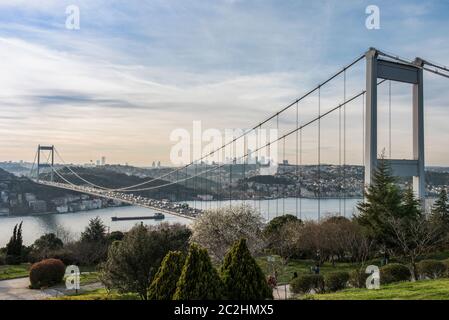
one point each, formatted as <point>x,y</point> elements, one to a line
<point>137,70</point>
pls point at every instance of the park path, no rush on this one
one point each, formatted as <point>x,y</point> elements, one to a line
<point>282,292</point>
<point>18,289</point>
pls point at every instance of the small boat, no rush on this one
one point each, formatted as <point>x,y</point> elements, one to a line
<point>156,216</point>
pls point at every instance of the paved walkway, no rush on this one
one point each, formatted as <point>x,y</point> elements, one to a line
<point>18,289</point>
<point>282,292</point>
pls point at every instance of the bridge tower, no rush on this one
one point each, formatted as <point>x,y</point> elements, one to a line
<point>46,164</point>
<point>377,68</point>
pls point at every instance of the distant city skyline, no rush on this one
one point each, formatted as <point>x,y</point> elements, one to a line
<point>137,70</point>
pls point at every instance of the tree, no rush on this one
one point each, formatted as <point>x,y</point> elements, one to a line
<point>415,237</point>
<point>133,262</point>
<point>163,286</point>
<point>440,209</point>
<point>383,200</point>
<point>47,243</point>
<point>15,244</point>
<point>275,232</point>
<point>241,275</point>
<point>199,280</point>
<point>95,231</point>
<point>277,223</point>
<point>217,230</point>
<point>285,241</point>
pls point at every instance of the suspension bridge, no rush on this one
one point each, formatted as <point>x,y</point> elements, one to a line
<point>298,129</point>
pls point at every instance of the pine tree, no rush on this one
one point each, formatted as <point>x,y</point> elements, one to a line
<point>199,280</point>
<point>440,208</point>
<point>95,232</point>
<point>163,286</point>
<point>383,199</point>
<point>241,275</point>
<point>411,205</point>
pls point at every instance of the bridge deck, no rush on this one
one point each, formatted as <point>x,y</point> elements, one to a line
<point>101,195</point>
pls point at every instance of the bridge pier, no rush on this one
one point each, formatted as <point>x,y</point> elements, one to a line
<point>45,165</point>
<point>413,74</point>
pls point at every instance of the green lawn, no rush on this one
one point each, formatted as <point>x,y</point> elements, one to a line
<point>99,294</point>
<point>15,271</point>
<point>419,290</point>
<point>285,272</point>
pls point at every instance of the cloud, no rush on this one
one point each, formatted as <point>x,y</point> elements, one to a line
<point>135,72</point>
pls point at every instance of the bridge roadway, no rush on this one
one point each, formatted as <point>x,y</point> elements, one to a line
<point>126,198</point>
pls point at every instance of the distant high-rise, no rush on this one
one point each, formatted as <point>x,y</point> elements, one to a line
<point>103,160</point>
<point>154,164</point>
<point>158,164</point>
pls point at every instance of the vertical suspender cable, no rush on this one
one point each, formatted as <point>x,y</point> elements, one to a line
<point>245,158</point>
<point>319,153</point>
<point>344,145</point>
<point>300,172</point>
<point>269,198</point>
<point>283,188</point>
<point>255,166</point>
<point>277,173</point>
<point>389,118</point>
<point>296,163</point>
<point>363,129</point>
<point>340,182</point>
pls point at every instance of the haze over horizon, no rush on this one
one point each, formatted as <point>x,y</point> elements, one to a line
<point>136,71</point>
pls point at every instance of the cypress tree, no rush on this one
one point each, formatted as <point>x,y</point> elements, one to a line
<point>10,247</point>
<point>163,286</point>
<point>19,240</point>
<point>15,244</point>
<point>199,280</point>
<point>241,275</point>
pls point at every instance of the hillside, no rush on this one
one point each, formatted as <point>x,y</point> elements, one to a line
<point>107,178</point>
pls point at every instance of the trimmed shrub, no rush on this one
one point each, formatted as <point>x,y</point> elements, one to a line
<point>199,280</point>
<point>46,273</point>
<point>432,269</point>
<point>306,282</point>
<point>394,272</point>
<point>335,281</point>
<point>357,278</point>
<point>163,286</point>
<point>241,275</point>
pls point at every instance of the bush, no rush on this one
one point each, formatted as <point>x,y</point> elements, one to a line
<point>133,262</point>
<point>357,278</point>
<point>432,269</point>
<point>446,264</point>
<point>394,272</point>
<point>335,281</point>
<point>199,279</point>
<point>12,260</point>
<point>46,273</point>
<point>242,277</point>
<point>305,283</point>
<point>163,286</point>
